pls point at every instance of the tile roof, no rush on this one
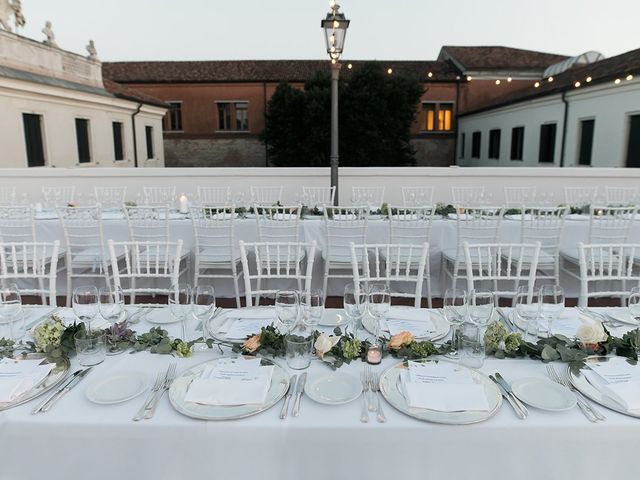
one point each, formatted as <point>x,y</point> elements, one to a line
<point>602,72</point>
<point>128,93</point>
<point>499,58</point>
<point>257,70</point>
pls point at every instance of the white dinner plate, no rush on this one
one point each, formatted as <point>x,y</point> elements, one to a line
<point>334,319</point>
<point>116,388</point>
<point>621,315</point>
<point>161,316</point>
<point>334,388</point>
<point>544,394</point>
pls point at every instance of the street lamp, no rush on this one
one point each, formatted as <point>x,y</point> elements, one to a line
<point>335,29</point>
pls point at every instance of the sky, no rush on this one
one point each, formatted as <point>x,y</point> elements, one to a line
<point>290,29</point>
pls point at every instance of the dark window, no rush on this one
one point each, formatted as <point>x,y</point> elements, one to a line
<point>148,131</point>
<point>224,116</point>
<point>33,139</point>
<point>547,143</point>
<point>438,117</point>
<point>118,144</point>
<point>633,149</point>
<point>476,142</point>
<point>462,142</point>
<point>494,143</point>
<point>242,116</point>
<point>586,141</point>
<point>517,143</point>
<point>173,119</point>
<point>239,111</point>
<point>82,137</point>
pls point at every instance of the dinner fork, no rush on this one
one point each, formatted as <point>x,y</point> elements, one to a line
<point>584,408</point>
<point>375,386</point>
<point>147,402</point>
<point>564,378</point>
<point>364,414</point>
<point>168,379</point>
<point>371,394</point>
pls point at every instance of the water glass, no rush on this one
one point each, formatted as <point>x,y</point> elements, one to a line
<point>480,305</point>
<point>203,305</point>
<point>379,303</point>
<point>552,305</point>
<point>111,306</point>
<point>355,305</point>
<point>298,346</point>
<point>12,324</point>
<point>287,307</point>
<point>527,311</point>
<point>312,307</point>
<point>180,303</point>
<point>91,347</point>
<point>472,348</point>
<point>455,311</point>
<point>85,304</point>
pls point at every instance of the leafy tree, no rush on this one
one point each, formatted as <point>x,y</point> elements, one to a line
<point>376,113</point>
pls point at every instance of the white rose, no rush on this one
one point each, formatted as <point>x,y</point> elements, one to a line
<point>325,343</point>
<point>591,333</point>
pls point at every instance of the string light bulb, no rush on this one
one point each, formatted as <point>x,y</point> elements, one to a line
<point>629,77</point>
<point>550,79</point>
<point>498,82</point>
<point>509,79</point>
<point>390,71</point>
<point>469,78</point>
<point>430,74</point>
<point>577,84</point>
<point>589,79</point>
<point>536,85</point>
<point>333,60</point>
<point>349,66</point>
<point>617,81</point>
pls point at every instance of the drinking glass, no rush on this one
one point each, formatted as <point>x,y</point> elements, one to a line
<point>472,349</point>
<point>379,303</point>
<point>355,305</point>
<point>90,347</point>
<point>527,311</point>
<point>480,305</point>
<point>111,306</point>
<point>298,346</point>
<point>552,304</point>
<point>179,304</point>
<point>203,305</point>
<point>11,313</point>
<point>455,311</point>
<point>85,304</point>
<point>312,307</point>
<point>287,307</point>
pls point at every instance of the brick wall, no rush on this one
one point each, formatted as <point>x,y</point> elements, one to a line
<point>207,152</point>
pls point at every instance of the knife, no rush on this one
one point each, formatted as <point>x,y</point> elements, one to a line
<point>62,391</point>
<point>299,389</point>
<point>507,387</point>
<point>68,380</point>
<point>506,319</point>
<point>506,395</point>
<point>287,397</point>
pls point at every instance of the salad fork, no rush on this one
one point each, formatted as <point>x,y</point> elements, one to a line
<point>564,378</point>
<point>375,386</point>
<point>584,408</point>
<point>150,396</point>
<point>168,379</point>
<point>370,391</point>
<point>364,414</point>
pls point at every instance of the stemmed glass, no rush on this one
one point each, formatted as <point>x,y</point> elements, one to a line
<point>455,311</point>
<point>355,305</point>
<point>179,304</point>
<point>85,304</point>
<point>527,311</point>
<point>287,307</point>
<point>379,303</point>
<point>480,304</point>
<point>634,304</point>
<point>203,306</point>
<point>111,307</point>
<point>312,307</point>
<point>11,313</point>
<point>552,304</point>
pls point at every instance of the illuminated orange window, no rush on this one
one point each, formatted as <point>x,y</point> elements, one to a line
<point>430,109</point>
<point>438,117</point>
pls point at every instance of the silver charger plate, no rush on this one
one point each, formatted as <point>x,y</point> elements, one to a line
<point>441,325</point>
<point>389,387</point>
<point>51,381</point>
<point>179,387</point>
<point>583,386</point>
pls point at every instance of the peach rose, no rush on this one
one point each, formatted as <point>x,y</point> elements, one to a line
<point>324,344</point>
<point>400,340</point>
<point>252,344</point>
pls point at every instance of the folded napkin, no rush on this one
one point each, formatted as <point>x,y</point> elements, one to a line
<point>244,322</point>
<point>20,376</point>
<point>232,382</point>
<point>413,320</point>
<point>440,387</point>
<point>618,380</point>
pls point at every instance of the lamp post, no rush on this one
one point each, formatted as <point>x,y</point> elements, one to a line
<point>335,29</point>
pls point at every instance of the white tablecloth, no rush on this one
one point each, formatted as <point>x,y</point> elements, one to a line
<point>79,439</point>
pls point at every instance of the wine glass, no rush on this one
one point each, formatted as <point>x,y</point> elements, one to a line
<point>11,314</point>
<point>111,307</point>
<point>179,303</point>
<point>527,311</point>
<point>552,304</point>
<point>287,307</point>
<point>379,303</point>
<point>634,303</point>
<point>455,311</point>
<point>203,306</point>
<point>355,305</point>
<point>312,307</point>
<point>480,304</point>
<point>85,304</point>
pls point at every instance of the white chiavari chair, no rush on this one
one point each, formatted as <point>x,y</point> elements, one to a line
<point>17,224</point>
<point>145,268</point>
<point>214,196</point>
<point>262,195</point>
<point>215,253</point>
<point>372,197</point>
<point>28,262</point>
<point>274,261</point>
<point>343,225</point>
<point>613,264</point>
<point>54,197</point>
<point>472,196</point>
<point>7,195</point>
<point>160,196</point>
<point>580,196</point>
<point>110,198</point>
<point>318,196</point>
<point>85,250</point>
<point>620,195</point>
<point>516,197</point>
<point>401,264</point>
<point>417,196</point>
<point>501,264</point>
<point>477,225</point>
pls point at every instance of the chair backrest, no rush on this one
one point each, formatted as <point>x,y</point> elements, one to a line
<point>519,196</point>
<point>214,196</point>
<point>372,197</point>
<point>17,224</point>
<point>502,263</point>
<point>278,224</point>
<point>7,195</point>
<point>266,195</point>
<point>620,195</point>
<point>110,198</point>
<point>148,223</point>
<point>214,228</point>
<point>544,225</point>
<point>477,225</point>
<point>391,263</point>
<point>343,226</point>
<point>160,196</point>
<point>145,267</point>
<point>32,262</point>
<point>83,234</point>
<point>580,196</point>
<point>275,260</point>
<point>410,225</point>
<point>54,197</point>
<point>472,196</point>
<point>417,196</point>
<point>318,196</point>
<point>610,224</point>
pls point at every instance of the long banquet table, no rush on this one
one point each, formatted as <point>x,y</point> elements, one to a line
<point>443,235</point>
<point>78,439</point>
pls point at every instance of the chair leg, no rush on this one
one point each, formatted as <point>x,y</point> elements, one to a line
<point>41,287</point>
<point>326,278</point>
<point>429,302</point>
<point>68,288</point>
<point>235,284</point>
